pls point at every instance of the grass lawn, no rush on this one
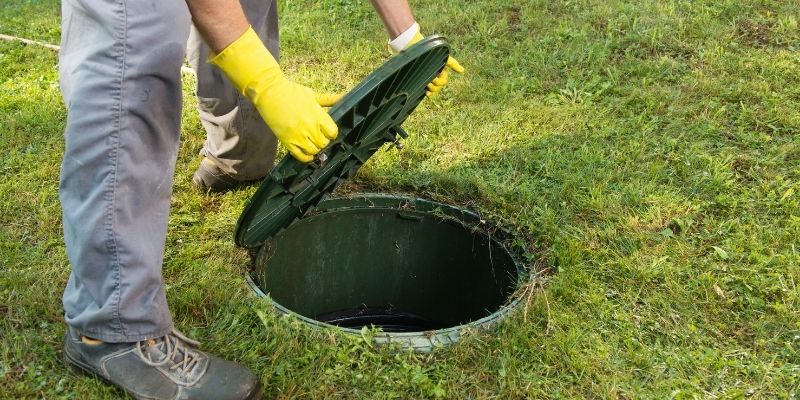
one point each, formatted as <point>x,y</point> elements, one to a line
<point>649,149</point>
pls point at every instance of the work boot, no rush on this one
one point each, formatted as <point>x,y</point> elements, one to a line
<point>210,178</point>
<point>170,367</point>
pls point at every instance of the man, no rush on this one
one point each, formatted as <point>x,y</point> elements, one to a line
<point>120,78</point>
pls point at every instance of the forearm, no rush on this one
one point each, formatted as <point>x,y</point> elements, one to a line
<point>395,14</point>
<point>220,22</point>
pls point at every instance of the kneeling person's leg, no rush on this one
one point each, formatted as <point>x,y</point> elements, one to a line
<point>239,146</point>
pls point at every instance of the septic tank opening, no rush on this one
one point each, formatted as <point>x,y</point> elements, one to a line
<point>421,271</point>
<point>404,265</point>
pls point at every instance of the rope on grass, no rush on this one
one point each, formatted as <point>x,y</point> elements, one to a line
<point>9,38</point>
<point>28,41</point>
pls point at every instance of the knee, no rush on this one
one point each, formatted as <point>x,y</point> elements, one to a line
<point>157,31</point>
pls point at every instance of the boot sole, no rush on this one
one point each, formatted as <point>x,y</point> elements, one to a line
<point>83,369</point>
<point>80,368</point>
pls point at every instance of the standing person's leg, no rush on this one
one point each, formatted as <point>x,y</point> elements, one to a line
<point>239,145</point>
<point>120,78</point>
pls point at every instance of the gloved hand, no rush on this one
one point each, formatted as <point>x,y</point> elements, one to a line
<point>411,36</point>
<point>293,112</point>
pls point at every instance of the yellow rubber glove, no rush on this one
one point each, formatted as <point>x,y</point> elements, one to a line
<point>436,85</point>
<point>293,112</point>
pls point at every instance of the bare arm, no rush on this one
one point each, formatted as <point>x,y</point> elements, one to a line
<point>220,22</point>
<point>395,14</point>
<point>404,31</point>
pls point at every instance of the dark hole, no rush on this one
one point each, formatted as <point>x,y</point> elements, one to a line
<point>403,270</point>
<point>387,319</point>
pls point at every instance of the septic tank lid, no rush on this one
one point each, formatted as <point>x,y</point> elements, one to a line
<point>368,116</point>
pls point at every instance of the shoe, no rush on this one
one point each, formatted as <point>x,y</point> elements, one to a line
<point>210,178</point>
<point>170,367</point>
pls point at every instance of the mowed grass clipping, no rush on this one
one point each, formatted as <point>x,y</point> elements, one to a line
<point>650,150</point>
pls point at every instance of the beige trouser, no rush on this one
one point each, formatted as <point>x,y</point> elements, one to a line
<point>238,140</point>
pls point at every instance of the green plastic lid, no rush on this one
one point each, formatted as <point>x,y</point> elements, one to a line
<point>368,116</point>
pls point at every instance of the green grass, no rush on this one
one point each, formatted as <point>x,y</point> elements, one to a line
<point>651,149</point>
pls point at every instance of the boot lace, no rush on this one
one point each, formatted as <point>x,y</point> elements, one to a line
<point>177,348</point>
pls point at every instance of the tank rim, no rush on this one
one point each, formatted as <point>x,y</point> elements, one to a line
<point>423,341</point>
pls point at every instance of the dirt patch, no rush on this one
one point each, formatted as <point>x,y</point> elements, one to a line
<point>512,16</point>
<point>754,33</point>
<point>742,167</point>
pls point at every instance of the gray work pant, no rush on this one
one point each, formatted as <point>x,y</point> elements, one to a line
<point>120,79</point>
